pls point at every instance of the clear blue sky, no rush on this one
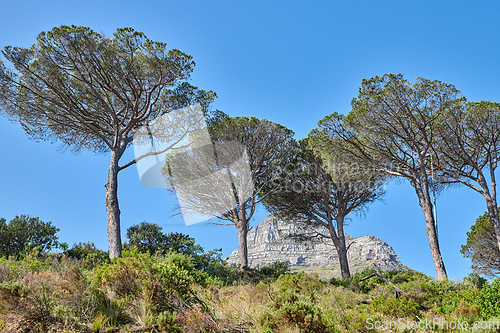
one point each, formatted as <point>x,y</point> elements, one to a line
<point>288,61</point>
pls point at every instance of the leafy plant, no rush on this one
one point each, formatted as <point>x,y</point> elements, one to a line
<point>489,300</point>
<point>396,307</point>
<point>167,322</point>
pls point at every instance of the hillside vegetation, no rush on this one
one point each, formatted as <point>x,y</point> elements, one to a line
<point>166,293</point>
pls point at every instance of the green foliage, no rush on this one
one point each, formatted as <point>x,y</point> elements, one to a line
<point>231,274</point>
<point>482,247</point>
<point>462,302</point>
<point>138,273</point>
<point>166,322</point>
<point>308,283</point>
<point>296,310</point>
<point>429,293</point>
<point>87,251</point>
<point>395,307</point>
<point>168,293</point>
<point>41,74</point>
<point>176,272</point>
<point>15,288</point>
<point>489,300</point>
<point>275,270</point>
<point>24,232</point>
<point>41,304</point>
<point>126,275</point>
<point>149,237</point>
<point>397,277</point>
<point>474,280</point>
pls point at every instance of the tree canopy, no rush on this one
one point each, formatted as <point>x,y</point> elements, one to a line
<point>90,91</point>
<point>318,193</point>
<point>481,247</point>
<point>25,231</point>
<point>149,237</point>
<point>245,155</point>
<point>468,150</point>
<point>392,125</point>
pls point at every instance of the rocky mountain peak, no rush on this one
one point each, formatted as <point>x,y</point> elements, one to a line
<point>270,241</point>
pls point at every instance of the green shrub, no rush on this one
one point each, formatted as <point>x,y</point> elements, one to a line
<point>489,300</point>
<point>40,305</point>
<point>452,299</point>
<point>395,307</point>
<point>273,271</point>
<point>16,288</point>
<point>293,309</point>
<point>399,277</point>
<point>303,282</point>
<point>167,322</point>
<point>125,276</point>
<point>232,275</point>
<point>474,280</point>
<point>176,272</point>
<point>142,286</point>
<point>357,319</point>
<point>428,293</point>
<point>89,253</point>
<point>355,284</point>
<point>396,277</point>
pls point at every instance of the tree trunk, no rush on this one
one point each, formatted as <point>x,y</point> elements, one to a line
<point>339,242</point>
<point>344,263</point>
<point>242,244</point>
<point>112,208</point>
<point>491,204</point>
<point>495,220</point>
<point>430,227</point>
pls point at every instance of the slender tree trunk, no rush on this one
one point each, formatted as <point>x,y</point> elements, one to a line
<point>339,242</point>
<point>491,204</point>
<point>495,220</point>
<point>242,244</point>
<point>430,227</point>
<point>112,208</point>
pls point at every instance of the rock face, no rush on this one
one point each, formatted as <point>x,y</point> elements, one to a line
<point>268,242</point>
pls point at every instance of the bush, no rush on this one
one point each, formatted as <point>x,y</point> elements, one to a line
<point>306,283</point>
<point>24,232</point>
<point>474,280</point>
<point>460,299</point>
<point>395,307</point>
<point>176,272</point>
<point>126,275</point>
<point>396,277</point>
<point>143,286</point>
<point>143,292</point>
<point>488,300</point>
<point>167,322</point>
<point>293,309</point>
<point>231,274</point>
<point>89,252</point>
<point>149,237</point>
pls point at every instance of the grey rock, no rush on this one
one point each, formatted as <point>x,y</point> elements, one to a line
<point>270,241</point>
